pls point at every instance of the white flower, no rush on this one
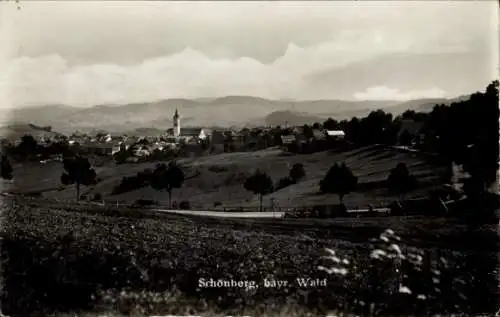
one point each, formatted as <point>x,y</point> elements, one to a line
<point>341,271</point>
<point>345,261</point>
<point>378,254</point>
<point>422,297</point>
<point>418,258</point>
<point>389,232</point>
<point>435,280</point>
<point>333,258</point>
<point>396,248</point>
<point>332,252</point>
<point>384,238</point>
<point>404,289</point>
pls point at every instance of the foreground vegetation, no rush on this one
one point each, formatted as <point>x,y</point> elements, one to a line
<point>60,260</point>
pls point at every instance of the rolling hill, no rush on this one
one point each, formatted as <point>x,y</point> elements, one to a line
<point>17,131</point>
<point>220,178</point>
<point>226,111</point>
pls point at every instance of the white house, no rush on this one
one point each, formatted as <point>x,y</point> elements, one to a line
<point>338,134</point>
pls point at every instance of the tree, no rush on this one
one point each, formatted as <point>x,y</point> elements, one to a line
<point>167,177</point>
<point>259,183</point>
<point>316,125</point>
<point>330,124</point>
<point>27,147</point>
<point>6,168</point>
<point>297,172</point>
<point>405,138</point>
<point>308,131</point>
<point>79,172</point>
<point>339,180</point>
<point>400,181</point>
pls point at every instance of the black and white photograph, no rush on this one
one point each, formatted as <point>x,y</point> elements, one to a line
<point>249,158</point>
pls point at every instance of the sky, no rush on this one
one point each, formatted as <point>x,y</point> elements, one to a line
<point>111,52</point>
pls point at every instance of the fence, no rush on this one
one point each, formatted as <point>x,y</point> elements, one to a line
<point>410,207</point>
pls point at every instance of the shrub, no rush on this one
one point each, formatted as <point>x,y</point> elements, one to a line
<point>284,182</point>
<point>97,197</point>
<point>145,202</point>
<point>184,205</point>
<point>217,169</point>
<point>297,172</point>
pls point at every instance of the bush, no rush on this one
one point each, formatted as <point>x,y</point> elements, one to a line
<point>284,182</point>
<point>184,205</point>
<point>145,202</point>
<point>97,197</point>
<point>130,183</point>
<point>217,169</point>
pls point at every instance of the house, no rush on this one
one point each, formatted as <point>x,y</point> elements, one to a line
<point>336,134</point>
<point>288,139</point>
<point>98,148</point>
<point>189,133</point>
<point>319,134</point>
<point>413,129</point>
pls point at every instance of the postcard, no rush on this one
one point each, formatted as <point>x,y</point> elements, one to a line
<point>220,158</point>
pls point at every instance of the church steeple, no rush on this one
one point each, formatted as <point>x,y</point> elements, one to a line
<point>177,124</point>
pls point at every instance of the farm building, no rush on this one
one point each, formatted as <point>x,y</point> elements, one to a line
<point>338,134</point>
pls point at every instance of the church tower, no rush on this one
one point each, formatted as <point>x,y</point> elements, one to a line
<point>177,124</point>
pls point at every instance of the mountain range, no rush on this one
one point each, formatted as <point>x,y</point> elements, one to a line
<point>237,111</point>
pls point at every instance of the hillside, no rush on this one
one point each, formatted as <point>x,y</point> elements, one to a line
<point>15,132</point>
<point>221,178</point>
<point>225,111</point>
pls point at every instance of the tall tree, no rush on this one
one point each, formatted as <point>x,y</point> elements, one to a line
<point>78,171</point>
<point>308,131</point>
<point>297,172</point>
<point>405,138</point>
<point>27,147</point>
<point>339,180</point>
<point>316,125</point>
<point>167,177</point>
<point>259,183</point>
<point>6,168</point>
<point>400,181</point>
<point>330,124</point>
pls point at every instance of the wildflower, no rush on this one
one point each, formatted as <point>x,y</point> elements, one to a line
<point>384,238</point>
<point>389,232</point>
<point>341,271</point>
<point>396,248</point>
<point>345,261</point>
<point>404,289</point>
<point>378,254</point>
<point>333,258</point>
<point>421,297</point>
<point>332,252</point>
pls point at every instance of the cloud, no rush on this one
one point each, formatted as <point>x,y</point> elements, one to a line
<point>139,55</point>
<point>386,93</point>
<point>185,74</point>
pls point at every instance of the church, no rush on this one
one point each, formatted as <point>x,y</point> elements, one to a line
<point>185,134</point>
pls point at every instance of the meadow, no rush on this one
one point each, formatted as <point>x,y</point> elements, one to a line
<point>218,179</point>
<point>60,260</point>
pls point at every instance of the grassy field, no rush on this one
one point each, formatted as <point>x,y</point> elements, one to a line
<point>221,178</point>
<point>81,260</point>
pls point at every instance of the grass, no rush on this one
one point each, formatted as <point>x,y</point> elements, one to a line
<point>64,260</point>
<point>221,178</point>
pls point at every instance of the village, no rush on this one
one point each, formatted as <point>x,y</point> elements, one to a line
<point>185,141</point>
<point>196,141</point>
